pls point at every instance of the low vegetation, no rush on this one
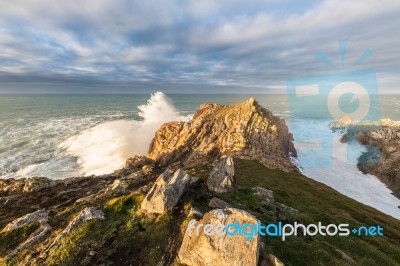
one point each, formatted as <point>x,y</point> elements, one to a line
<point>129,236</point>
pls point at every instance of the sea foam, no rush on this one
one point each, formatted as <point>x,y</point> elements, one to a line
<point>105,147</point>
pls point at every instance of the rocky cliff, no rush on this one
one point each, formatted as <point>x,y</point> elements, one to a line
<point>244,130</point>
<point>382,156</point>
<point>140,215</point>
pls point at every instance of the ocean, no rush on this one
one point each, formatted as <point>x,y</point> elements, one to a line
<point>60,136</point>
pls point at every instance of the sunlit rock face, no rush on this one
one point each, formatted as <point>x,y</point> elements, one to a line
<point>221,177</point>
<point>202,250</point>
<point>166,191</point>
<point>244,130</point>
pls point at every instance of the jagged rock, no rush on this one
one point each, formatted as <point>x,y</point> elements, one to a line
<point>382,156</point>
<point>139,161</point>
<point>40,216</point>
<point>118,187</point>
<point>147,168</point>
<point>87,199</point>
<point>244,130</point>
<point>138,175</point>
<point>26,184</point>
<point>36,183</point>
<point>203,250</point>
<point>166,191</point>
<point>264,194</point>
<point>34,238</point>
<point>218,203</point>
<point>86,214</point>
<point>12,185</point>
<point>221,177</point>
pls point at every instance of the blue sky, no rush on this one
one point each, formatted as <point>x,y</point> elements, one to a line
<point>194,46</point>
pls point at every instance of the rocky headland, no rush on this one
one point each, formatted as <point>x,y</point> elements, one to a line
<point>229,163</point>
<point>382,142</point>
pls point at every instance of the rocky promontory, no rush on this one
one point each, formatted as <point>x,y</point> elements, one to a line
<point>244,130</point>
<point>382,156</point>
<point>230,163</point>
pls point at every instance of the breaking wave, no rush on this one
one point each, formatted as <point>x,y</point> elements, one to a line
<point>105,147</point>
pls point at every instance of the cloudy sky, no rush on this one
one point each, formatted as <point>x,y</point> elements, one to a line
<point>114,46</point>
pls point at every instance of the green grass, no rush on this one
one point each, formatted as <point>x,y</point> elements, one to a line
<point>126,236</point>
<point>316,203</point>
<point>129,236</point>
<point>11,240</point>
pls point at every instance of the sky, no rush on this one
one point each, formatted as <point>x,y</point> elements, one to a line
<point>193,46</point>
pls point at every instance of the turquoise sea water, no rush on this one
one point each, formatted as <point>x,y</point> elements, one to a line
<point>32,127</point>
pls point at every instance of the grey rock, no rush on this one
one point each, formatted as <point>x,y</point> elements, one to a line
<point>218,203</point>
<point>36,183</point>
<point>86,214</point>
<point>118,187</point>
<point>40,216</point>
<point>166,191</point>
<point>221,177</point>
<point>285,208</point>
<point>264,194</point>
<point>34,238</point>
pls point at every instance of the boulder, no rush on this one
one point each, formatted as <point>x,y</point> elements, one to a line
<point>221,177</point>
<point>166,191</point>
<point>264,194</point>
<point>203,250</point>
<point>218,203</point>
<point>40,216</point>
<point>283,207</point>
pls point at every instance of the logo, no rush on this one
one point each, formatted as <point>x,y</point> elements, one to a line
<point>279,230</point>
<point>343,95</point>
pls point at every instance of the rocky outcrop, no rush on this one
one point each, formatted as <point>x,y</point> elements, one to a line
<point>204,250</point>
<point>382,142</point>
<point>264,194</point>
<point>86,214</point>
<point>41,217</point>
<point>245,130</point>
<point>26,184</point>
<point>218,203</point>
<point>166,191</point>
<point>139,162</point>
<point>118,187</point>
<point>221,177</point>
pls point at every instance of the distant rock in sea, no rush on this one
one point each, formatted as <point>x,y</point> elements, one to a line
<point>382,141</point>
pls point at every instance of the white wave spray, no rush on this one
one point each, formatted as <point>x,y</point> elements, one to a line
<point>105,147</point>
<point>344,175</point>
